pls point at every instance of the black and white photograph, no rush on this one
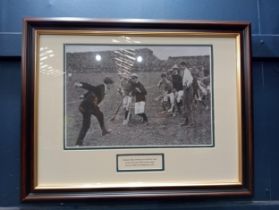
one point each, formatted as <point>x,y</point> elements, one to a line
<point>137,96</point>
<point>136,109</point>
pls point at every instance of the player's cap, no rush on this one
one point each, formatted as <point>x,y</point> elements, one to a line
<point>175,67</point>
<point>134,75</point>
<point>184,64</point>
<point>108,80</point>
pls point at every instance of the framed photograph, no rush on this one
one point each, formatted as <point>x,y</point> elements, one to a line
<point>136,109</point>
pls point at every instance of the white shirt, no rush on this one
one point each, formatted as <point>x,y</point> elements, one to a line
<point>106,89</point>
<point>187,77</point>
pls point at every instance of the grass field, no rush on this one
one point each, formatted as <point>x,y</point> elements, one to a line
<point>163,128</point>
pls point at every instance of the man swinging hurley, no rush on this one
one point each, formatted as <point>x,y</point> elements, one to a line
<point>90,106</point>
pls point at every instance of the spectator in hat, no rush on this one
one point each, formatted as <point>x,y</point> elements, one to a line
<point>90,106</point>
<point>139,92</point>
<point>126,91</point>
<point>167,91</point>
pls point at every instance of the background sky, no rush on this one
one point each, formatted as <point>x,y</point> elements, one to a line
<point>162,52</point>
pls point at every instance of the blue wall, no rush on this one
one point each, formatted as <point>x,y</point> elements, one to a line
<point>264,16</point>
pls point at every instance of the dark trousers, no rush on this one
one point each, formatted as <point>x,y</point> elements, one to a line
<point>144,117</point>
<point>86,121</point>
<point>188,98</point>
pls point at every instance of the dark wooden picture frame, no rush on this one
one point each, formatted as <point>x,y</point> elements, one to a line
<point>30,161</point>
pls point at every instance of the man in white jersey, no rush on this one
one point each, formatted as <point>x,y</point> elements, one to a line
<point>188,94</point>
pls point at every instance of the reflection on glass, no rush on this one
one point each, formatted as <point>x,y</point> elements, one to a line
<point>45,68</point>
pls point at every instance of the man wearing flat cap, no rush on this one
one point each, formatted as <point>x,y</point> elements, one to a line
<point>90,106</point>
